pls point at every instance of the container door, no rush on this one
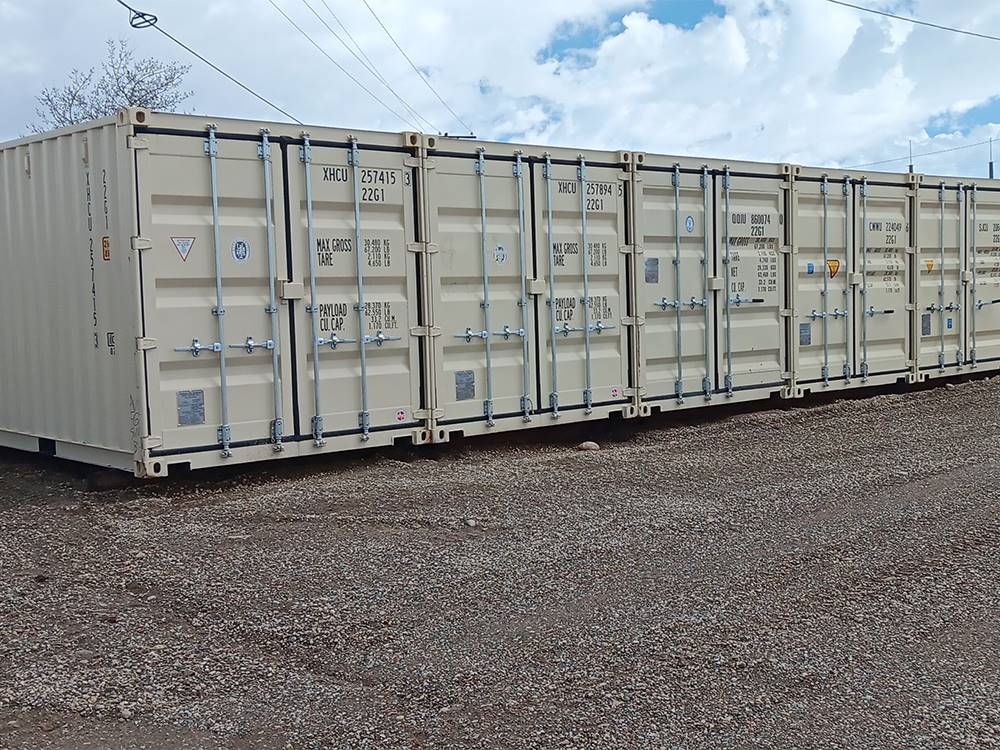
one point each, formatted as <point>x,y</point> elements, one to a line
<point>984,276</point>
<point>486,351</point>
<point>580,220</point>
<point>751,224</point>
<point>939,268</point>
<point>823,230</point>
<point>882,322</point>
<point>219,375</point>
<point>675,231</point>
<point>352,225</point>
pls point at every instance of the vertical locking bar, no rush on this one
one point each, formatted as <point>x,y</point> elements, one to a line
<point>581,175</point>
<point>825,190</point>
<point>864,279</point>
<point>973,302</point>
<point>225,430</point>
<point>305,156</point>
<point>487,326</point>
<point>364,418</point>
<point>277,427</point>
<point>848,292</point>
<point>679,383</point>
<point>726,265</point>
<point>523,301</point>
<point>554,394</point>
<point>706,272</point>
<point>941,316</point>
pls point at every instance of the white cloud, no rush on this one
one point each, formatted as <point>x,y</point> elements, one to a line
<point>778,80</point>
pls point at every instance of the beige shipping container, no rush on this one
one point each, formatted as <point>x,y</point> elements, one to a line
<point>528,277</point>
<point>710,280</point>
<point>211,294</point>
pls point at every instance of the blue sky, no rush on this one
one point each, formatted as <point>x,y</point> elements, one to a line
<point>802,81</point>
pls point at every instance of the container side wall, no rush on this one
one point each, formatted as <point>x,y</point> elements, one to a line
<point>68,291</point>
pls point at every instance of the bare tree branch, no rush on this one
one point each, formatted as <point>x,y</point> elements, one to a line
<point>124,82</point>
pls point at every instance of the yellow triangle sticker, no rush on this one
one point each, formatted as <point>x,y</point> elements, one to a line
<point>834,266</point>
<point>930,265</point>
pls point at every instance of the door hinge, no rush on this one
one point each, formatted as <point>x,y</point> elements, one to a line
<point>630,249</point>
<point>788,249</point>
<point>144,344</point>
<point>789,313</point>
<point>136,143</point>
<point>634,320</point>
<point>536,287</point>
<point>422,247</point>
<point>432,331</point>
<point>292,290</point>
<point>152,442</point>
<point>428,414</point>
<point>141,243</point>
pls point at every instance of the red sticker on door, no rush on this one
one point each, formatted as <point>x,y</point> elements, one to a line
<point>400,416</point>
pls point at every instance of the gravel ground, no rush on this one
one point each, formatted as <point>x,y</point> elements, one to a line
<point>821,577</point>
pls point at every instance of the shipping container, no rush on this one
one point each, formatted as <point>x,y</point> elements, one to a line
<point>185,293</point>
<point>711,281</point>
<point>212,293</point>
<point>529,280</point>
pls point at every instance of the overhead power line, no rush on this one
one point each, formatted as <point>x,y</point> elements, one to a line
<point>918,156</point>
<point>342,69</point>
<point>370,68</point>
<point>141,20</point>
<point>416,69</point>
<point>350,36</point>
<point>917,21</point>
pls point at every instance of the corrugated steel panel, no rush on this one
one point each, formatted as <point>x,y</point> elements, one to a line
<point>67,290</point>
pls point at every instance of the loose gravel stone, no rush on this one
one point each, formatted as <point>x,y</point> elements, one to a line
<point>805,577</point>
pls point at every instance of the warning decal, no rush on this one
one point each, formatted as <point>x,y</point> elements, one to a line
<point>834,266</point>
<point>183,245</point>
<point>930,265</point>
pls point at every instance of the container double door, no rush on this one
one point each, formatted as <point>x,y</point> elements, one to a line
<point>231,362</point>
<point>529,287</point>
<point>711,282</point>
